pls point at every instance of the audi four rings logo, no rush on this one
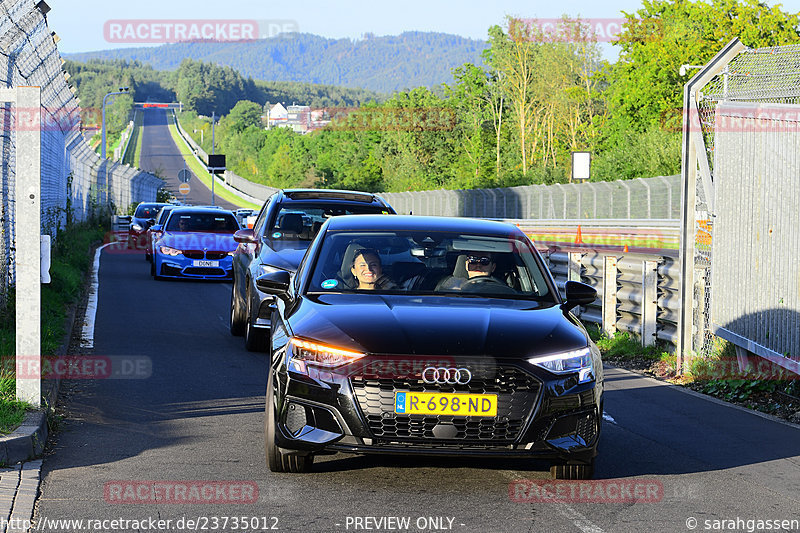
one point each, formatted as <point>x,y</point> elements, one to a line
<point>446,376</point>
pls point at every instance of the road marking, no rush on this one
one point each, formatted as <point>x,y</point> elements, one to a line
<point>580,521</point>
<point>87,335</point>
<point>577,519</point>
<point>607,417</point>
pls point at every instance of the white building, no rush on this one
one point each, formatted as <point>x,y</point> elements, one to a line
<point>277,116</point>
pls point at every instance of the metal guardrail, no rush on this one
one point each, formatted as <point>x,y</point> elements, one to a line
<point>637,293</point>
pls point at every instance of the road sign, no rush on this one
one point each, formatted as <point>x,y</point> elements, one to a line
<point>184,188</point>
<point>216,163</point>
<point>184,175</point>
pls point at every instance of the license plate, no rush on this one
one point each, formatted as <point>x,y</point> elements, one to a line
<point>442,403</point>
<point>203,263</point>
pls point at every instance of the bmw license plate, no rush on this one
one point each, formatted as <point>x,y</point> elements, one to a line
<point>441,403</point>
<point>204,263</point>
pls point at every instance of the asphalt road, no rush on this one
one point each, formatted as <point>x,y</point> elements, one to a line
<point>199,416</point>
<point>162,157</point>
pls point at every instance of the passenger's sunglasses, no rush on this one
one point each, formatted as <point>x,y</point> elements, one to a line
<point>479,260</point>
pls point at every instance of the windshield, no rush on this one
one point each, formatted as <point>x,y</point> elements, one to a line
<point>427,262</point>
<point>208,222</point>
<point>162,216</point>
<point>301,222</point>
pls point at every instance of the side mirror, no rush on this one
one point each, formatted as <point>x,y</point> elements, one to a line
<point>276,283</point>
<point>156,227</point>
<point>151,221</point>
<point>244,236</point>
<point>578,294</point>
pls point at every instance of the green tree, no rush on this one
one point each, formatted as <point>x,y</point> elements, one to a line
<point>245,113</point>
<point>645,86</point>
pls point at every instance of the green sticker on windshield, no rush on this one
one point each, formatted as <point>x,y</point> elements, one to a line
<point>276,235</point>
<point>329,284</point>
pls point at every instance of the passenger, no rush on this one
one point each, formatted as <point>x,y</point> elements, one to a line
<point>368,272</point>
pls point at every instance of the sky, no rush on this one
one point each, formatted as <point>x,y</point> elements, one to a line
<point>80,23</point>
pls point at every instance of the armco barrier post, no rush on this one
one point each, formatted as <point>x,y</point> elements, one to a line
<point>649,302</point>
<point>27,228</point>
<point>574,268</point>
<point>610,295</point>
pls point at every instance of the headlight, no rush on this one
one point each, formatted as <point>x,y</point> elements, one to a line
<point>579,361</point>
<point>166,250</point>
<point>311,353</point>
<point>136,227</point>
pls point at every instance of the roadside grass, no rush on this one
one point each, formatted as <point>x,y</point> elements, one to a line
<point>200,171</point>
<point>623,345</point>
<point>70,260</point>
<point>766,388</point>
<point>137,153</point>
<point>133,156</point>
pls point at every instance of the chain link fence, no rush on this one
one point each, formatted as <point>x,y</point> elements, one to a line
<point>743,120</point>
<point>643,198</point>
<point>74,178</point>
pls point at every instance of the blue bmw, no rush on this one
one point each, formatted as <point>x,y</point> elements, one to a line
<point>197,243</point>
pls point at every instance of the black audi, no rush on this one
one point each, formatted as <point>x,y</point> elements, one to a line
<point>432,336</point>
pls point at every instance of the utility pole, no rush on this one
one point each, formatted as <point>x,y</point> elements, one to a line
<point>213,176</point>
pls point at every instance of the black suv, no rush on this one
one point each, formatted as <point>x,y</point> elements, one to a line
<point>285,226</point>
<point>433,336</point>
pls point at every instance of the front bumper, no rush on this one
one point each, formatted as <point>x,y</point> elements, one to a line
<point>537,416</point>
<point>179,266</point>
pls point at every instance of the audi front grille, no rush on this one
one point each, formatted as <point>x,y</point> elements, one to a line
<point>517,395</point>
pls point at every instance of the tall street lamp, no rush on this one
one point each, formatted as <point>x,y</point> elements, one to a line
<point>122,90</point>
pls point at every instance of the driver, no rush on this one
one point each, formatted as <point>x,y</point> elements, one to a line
<point>480,264</point>
<point>477,264</point>
<point>368,271</point>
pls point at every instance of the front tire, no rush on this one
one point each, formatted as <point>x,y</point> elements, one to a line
<point>255,340</point>
<point>572,471</point>
<point>276,460</point>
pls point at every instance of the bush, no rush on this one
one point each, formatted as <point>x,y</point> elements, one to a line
<point>70,260</point>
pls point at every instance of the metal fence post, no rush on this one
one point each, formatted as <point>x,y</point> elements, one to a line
<point>699,297</point>
<point>28,259</point>
<point>610,295</point>
<point>649,302</point>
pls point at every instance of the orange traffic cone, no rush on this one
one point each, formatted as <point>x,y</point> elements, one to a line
<point>578,237</point>
<point>625,249</point>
